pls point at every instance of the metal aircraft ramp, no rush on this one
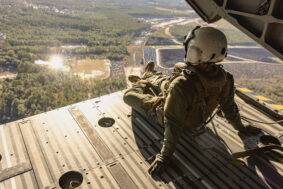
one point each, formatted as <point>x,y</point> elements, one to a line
<point>37,151</point>
<point>103,143</point>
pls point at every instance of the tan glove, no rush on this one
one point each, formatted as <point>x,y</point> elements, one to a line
<point>246,129</point>
<point>157,167</point>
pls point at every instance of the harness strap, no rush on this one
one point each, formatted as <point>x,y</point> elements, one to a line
<point>199,99</point>
<point>251,152</point>
<point>200,91</point>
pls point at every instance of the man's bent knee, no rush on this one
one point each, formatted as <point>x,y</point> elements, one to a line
<point>136,101</point>
<point>126,97</point>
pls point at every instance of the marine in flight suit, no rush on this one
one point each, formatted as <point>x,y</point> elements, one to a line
<point>189,97</point>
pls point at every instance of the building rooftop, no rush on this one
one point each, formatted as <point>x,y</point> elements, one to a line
<point>68,145</point>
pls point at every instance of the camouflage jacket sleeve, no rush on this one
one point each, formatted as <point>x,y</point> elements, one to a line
<point>175,111</point>
<point>228,105</point>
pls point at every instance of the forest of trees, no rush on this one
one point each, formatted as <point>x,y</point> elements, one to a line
<point>34,34</point>
<point>38,89</point>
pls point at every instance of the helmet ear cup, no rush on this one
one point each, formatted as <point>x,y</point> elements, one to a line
<point>224,52</point>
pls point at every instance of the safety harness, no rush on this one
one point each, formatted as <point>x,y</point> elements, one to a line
<point>156,112</point>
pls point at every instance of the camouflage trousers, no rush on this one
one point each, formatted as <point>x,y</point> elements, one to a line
<point>139,93</point>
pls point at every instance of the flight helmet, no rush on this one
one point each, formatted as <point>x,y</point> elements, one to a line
<point>205,44</point>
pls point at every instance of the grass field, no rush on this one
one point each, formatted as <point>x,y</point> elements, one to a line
<point>263,79</point>
<point>161,33</point>
<point>267,87</point>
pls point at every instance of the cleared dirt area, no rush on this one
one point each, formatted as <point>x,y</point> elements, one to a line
<point>159,41</point>
<point>254,70</point>
<point>149,54</point>
<point>169,57</point>
<point>267,87</point>
<point>7,75</point>
<point>257,54</point>
<point>136,55</point>
<point>91,68</point>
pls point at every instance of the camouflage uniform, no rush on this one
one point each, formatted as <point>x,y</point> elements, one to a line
<point>190,99</point>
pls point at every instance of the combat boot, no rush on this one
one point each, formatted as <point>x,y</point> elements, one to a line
<point>134,78</point>
<point>148,69</point>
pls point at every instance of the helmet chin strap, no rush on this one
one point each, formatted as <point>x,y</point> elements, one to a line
<point>194,68</point>
<point>194,64</point>
<point>191,67</point>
